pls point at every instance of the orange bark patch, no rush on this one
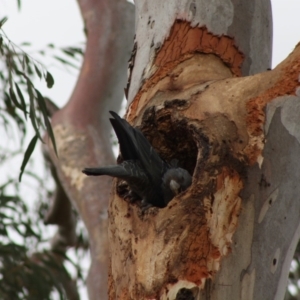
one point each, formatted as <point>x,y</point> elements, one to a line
<point>196,274</point>
<point>184,41</point>
<point>286,85</point>
<point>199,253</point>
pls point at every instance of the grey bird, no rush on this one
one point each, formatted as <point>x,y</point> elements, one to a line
<point>148,176</point>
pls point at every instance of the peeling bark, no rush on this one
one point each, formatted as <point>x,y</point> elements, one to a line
<point>231,235</point>
<point>233,232</point>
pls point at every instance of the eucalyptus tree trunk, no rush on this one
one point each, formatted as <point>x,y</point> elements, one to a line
<point>201,92</point>
<point>82,133</point>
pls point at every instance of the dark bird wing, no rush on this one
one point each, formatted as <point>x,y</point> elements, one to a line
<point>134,145</point>
<point>125,135</point>
<point>149,158</point>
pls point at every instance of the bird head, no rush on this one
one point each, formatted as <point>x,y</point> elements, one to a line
<point>177,180</point>
<point>181,180</point>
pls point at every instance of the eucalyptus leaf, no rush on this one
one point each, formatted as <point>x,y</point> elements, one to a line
<point>27,154</point>
<point>49,80</point>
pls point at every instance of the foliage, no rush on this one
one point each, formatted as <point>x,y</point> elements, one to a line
<point>21,98</point>
<point>16,77</point>
<point>27,269</point>
<point>23,276</point>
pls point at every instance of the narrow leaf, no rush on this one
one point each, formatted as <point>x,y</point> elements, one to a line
<point>19,5</point>
<point>2,21</point>
<point>33,120</point>
<point>32,113</point>
<point>43,108</point>
<point>21,73</point>
<point>51,134</point>
<point>27,154</point>
<point>13,98</point>
<point>38,72</point>
<point>30,89</point>
<point>26,44</point>
<point>42,105</point>
<point>65,62</point>
<point>77,50</point>
<point>21,99</point>
<point>26,62</point>
<point>49,80</point>
<point>10,76</point>
<point>68,52</point>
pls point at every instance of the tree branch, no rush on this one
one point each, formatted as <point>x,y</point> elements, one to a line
<point>81,128</point>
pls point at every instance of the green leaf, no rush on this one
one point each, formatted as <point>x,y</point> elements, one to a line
<point>19,92</point>
<point>32,113</point>
<point>29,231</point>
<point>10,76</point>
<point>51,134</point>
<point>27,154</point>
<point>26,62</point>
<point>13,98</point>
<point>4,199</point>
<point>30,89</point>
<point>43,108</point>
<point>19,5</point>
<point>10,109</point>
<point>77,50</point>
<point>26,44</point>
<point>42,105</point>
<point>49,80</point>
<point>2,21</point>
<point>65,62</point>
<point>68,52</point>
<point>33,119</point>
<point>38,72</point>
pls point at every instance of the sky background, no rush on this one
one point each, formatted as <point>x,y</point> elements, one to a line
<point>59,22</point>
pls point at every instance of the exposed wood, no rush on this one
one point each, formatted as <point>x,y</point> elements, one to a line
<point>184,244</point>
<point>215,240</point>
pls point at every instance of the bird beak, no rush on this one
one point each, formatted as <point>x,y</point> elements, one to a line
<point>174,186</point>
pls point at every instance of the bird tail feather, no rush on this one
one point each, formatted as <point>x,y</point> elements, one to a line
<point>114,171</point>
